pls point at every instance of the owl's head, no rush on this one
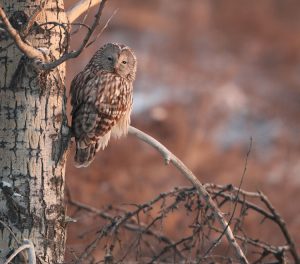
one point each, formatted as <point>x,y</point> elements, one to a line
<point>115,58</point>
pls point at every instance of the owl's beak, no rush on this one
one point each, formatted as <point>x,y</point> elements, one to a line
<point>116,67</point>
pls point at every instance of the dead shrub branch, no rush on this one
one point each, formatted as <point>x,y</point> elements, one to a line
<point>139,234</point>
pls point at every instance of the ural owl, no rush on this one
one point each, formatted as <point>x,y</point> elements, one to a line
<point>101,97</point>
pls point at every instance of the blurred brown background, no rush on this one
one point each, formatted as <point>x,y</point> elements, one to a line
<point>211,75</point>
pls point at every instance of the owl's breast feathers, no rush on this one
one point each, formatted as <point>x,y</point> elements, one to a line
<point>99,101</point>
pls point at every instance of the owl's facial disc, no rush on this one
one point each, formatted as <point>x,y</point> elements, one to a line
<point>115,58</point>
<point>124,64</point>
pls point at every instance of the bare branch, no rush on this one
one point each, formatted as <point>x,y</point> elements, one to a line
<point>170,157</point>
<point>36,54</point>
<point>10,231</point>
<point>79,8</point>
<point>14,236</point>
<point>116,223</point>
<point>84,18</point>
<point>33,17</point>
<point>135,227</point>
<point>27,49</point>
<point>203,228</point>
<point>236,201</point>
<point>74,54</point>
<point>102,30</point>
<point>27,244</point>
<point>282,225</point>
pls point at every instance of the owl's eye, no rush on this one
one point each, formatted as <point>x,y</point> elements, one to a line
<point>109,58</point>
<point>124,62</point>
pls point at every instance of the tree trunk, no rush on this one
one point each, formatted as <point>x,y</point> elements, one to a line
<point>33,134</point>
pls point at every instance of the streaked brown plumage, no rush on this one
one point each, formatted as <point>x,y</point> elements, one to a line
<point>101,97</point>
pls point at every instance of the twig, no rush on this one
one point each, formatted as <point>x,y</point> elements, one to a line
<point>164,250</point>
<point>274,215</point>
<point>170,157</point>
<point>189,198</point>
<point>40,60</point>
<point>235,203</point>
<point>27,244</point>
<point>80,25</point>
<point>74,54</point>
<point>116,222</point>
<point>132,227</point>
<point>268,248</point>
<point>28,50</point>
<point>83,21</point>
<point>230,197</point>
<point>33,17</point>
<point>63,26</point>
<point>11,232</point>
<point>79,8</point>
<point>282,225</point>
<point>14,236</point>
<point>102,29</point>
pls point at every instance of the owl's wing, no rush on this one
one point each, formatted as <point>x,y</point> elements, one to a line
<point>98,101</point>
<point>79,88</point>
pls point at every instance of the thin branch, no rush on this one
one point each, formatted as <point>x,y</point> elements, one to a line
<point>33,17</point>
<point>14,236</point>
<point>102,29</point>
<point>81,25</point>
<point>230,187</point>
<point>170,157</point>
<point>187,197</point>
<point>274,215</point>
<point>28,50</point>
<point>230,197</point>
<point>164,250</point>
<point>135,227</point>
<point>27,244</point>
<point>84,18</point>
<point>79,8</point>
<point>259,244</point>
<point>74,54</point>
<point>117,222</point>
<point>235,203</point>
<point>282,225</point>
<point>63,26</point>
<point>11,232</point>
<point>38,55</point>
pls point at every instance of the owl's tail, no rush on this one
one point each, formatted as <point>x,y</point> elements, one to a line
<point>87,149</point>
<point>84,155</point>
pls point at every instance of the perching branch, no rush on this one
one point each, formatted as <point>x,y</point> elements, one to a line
<point>27,49</point>
<point>79,8</point>
<point>170,157</point>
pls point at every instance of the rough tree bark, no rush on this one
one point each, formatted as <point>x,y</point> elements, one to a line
<point>33,132</point>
